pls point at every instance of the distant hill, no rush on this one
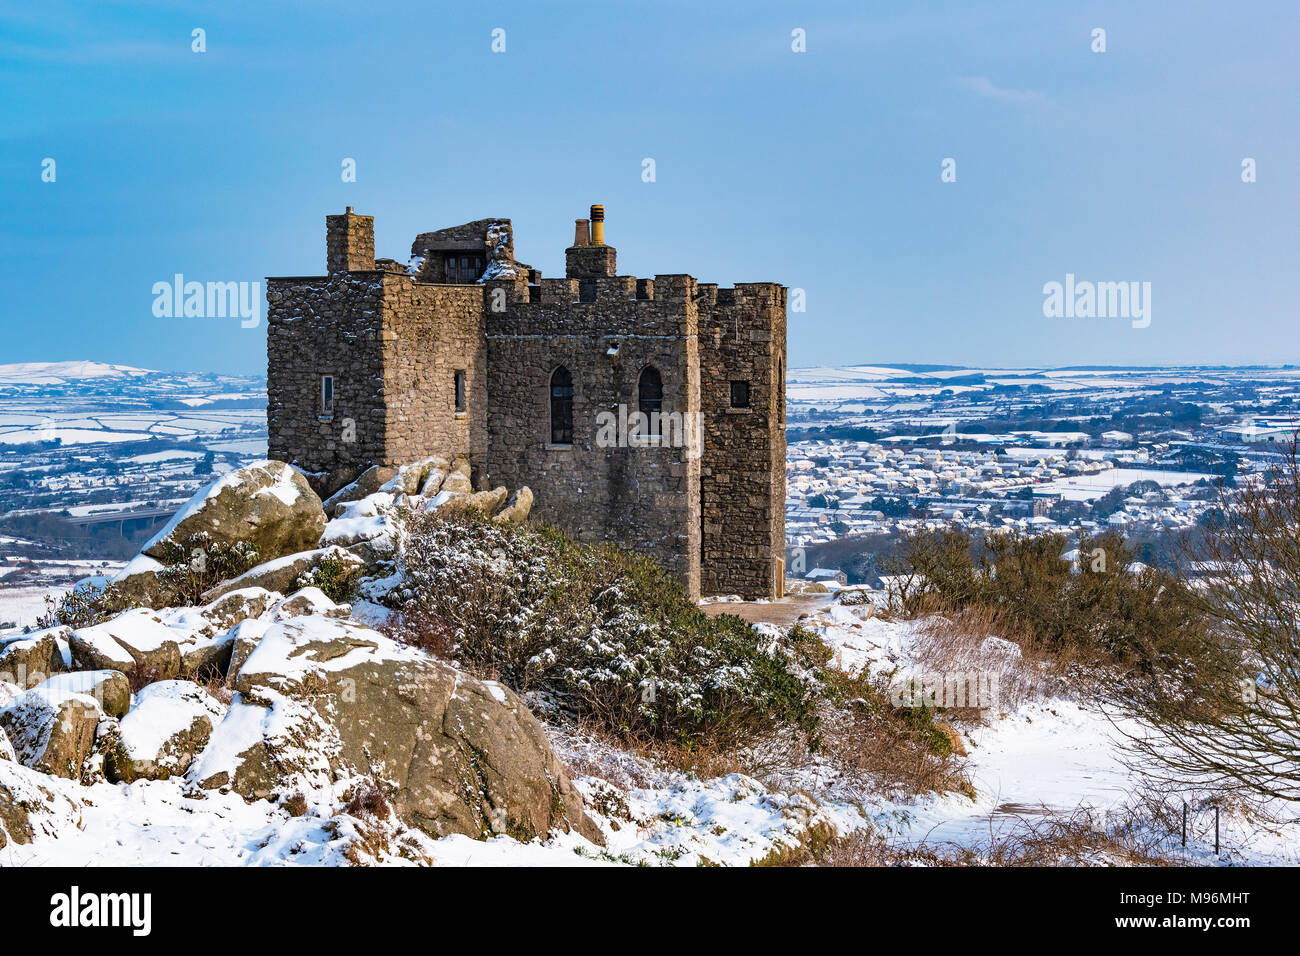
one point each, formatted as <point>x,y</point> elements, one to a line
<point>99,381</point>
<point>66,373</point>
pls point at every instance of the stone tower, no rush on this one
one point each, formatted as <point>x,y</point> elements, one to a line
<point>645,412</point>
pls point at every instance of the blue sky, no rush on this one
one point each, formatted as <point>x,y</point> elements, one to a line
<point>819,170</point>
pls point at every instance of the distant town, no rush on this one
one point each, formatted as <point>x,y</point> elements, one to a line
<point>879,452</point>
<point>93,457</point>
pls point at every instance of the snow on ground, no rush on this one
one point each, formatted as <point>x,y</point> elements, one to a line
<point>1090,487</point>
<point>1049,755</point>
<point>249,446</point>
<point>22,605</point>
<point>154,823</point>
<point>730,821</point>
<point>161,456</point>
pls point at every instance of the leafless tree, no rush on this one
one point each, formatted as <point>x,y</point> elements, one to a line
<point>1235,727</point>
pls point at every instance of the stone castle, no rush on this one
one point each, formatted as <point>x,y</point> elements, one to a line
<point>645,412</point>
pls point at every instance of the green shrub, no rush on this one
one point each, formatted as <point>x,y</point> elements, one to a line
<point>197,563</point>
<point>920,721</point>
<point>335,577</point>
<point>1095,610</point>
<point>84,606</point>
<point>190,568</point>
<point>600,634</point>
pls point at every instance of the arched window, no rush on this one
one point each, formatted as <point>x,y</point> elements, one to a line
<point>561,407</point>
<point>650,399</point>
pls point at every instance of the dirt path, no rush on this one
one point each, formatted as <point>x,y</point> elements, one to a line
<point>783,612</point>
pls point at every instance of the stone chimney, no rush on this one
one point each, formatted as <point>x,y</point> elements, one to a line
<point>591,259</point>
<point>349,243</point>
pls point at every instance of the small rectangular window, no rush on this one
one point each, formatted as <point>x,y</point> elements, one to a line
<point>327,396</point>
<point>561,407</point>
<point>740,395</point>
<point>460,390</point>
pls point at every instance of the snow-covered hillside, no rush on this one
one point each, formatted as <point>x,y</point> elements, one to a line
<point>1045,759</point>
<point>65,373</point>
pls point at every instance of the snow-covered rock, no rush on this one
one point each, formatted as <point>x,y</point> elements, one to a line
<point>268,505</point>
<point>170,723</point>
<point>308,601</point>
<point>367,520</point>
<point>141,581</point>
<point>52,731</point>
<point>29,660</point>
<point>320,697</point>
<point>366,485</point>
<point>110,688</point>
<point>134,638</point>
<point>238,604</point>
<point>282,574</point>
<point>244,638</point>
<point>433,480</point>
<point>413,478</point>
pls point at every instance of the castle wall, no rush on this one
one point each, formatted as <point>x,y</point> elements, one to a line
<point>429,332</point>
<point>325,326</point>
<point>393,348</point>
<point>643,498</point>
<point>742,482</point>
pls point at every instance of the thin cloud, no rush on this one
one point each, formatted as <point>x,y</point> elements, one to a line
<point>97,53</point>
<point>983,86</point>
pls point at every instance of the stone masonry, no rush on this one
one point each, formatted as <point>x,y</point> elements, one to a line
<point>540,381</point>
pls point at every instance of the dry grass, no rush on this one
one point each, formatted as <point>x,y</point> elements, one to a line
<point>1144,831</point>
<point>587,750</point>
<point>867,746</point>
<point>955,643</point>
<point>215,684</point>
<point>1073,839</point>
<point>367,801</point>
<point>421,628</point>
<point>295,805</point>
<point>863,744</point>
<point>901,752</point>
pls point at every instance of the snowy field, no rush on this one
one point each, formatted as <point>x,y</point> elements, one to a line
<point>91,403</point>
<point>1093,486</point>
<point>78,429</point>
<point>29,374</point>
<point>23,604</point>
<point>848,389</point>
